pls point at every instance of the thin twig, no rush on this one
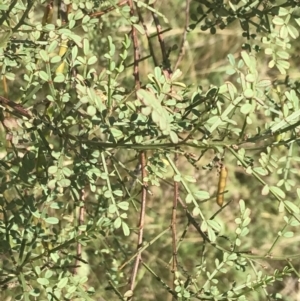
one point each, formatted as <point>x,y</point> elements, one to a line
<point>173,226</point>
<point>24,16</point>
<point>141,221</point>
<point>192,220</point>
<point>166,63</point>
<point>182,48</point>
<point>142,159</point>
<point>151,49</point>
<point>16,107</point>
<point>136,53</point>
<point>144,247</point>
<point>7,12</point>
<point>80,222</point>
<point>105,11</point>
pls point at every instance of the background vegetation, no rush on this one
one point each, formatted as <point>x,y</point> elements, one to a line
<point>121,123</point>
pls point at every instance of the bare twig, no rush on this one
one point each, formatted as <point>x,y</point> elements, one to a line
<point>80,222</point>
<point>173,226</point>
<point>30,4</point>
<point>152,53</point>
<point>107,10</point>
<point>17,108</point>
<point>166,63</point>
<point>142,159</point>
<point>141,222</point>
<point>5,15</point>
<point>135,50</point>
<point>144,247</point>
<point>182,48</point>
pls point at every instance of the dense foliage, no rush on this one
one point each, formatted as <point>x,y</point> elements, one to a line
<point>149,150</point>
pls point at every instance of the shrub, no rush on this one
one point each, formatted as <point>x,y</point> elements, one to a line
<point>123,177</point>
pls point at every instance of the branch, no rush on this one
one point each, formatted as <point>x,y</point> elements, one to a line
<point>19,109</point>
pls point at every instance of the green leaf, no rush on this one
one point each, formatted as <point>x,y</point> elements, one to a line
<point>5,34</point>
<point>231,59</point>
<point>117,223</point>
<point>43,75</point>
<point>230,71</point>
<point>249,93</point>
<point>64,183</point>
<point>204,226</point>
<point>294,208</point>
<point>283,64</point>
<point>264,83</point>
<point>201,195</point>
<point>125,229</point>
<point>86,47</point>
<point>128,294</point>
<point>59,78</point>
<point>278,21</point>
<point>177,178</point>
<point>190,179</point>
<point>174,137</point>
<point>116,133</point>
<point>62,282</point>
<point>283,32</point>
<point>251,78</point>
<point>55,59</point>
<point>283,54</point>
<point>44,55</point>
<point>246,108</point>
<point>118,192</point>
<point>260,170</point>
<point>43,281</point>
<point>283,12</point>
<point>196,211</point>
<point>265,190</point>
<point>112,208</point>
<point>288,234</point>
<point>246,58</point>
<point>123,205</point>
<point>92,60</point>
<point>91,110</point>
<point>269,51</point>
<point>189,198</point>
<point>293,32</point>
<point>53,169</point>
<point>214,225</point>
<point>108,194</point>
<point>51,220</point>
<point>244,232</point>
<point>67,171</point>
<point>53,46</point>
<point>277,191</point>
<point>211,234</point>
<point>112,47</point>
<point>139,28</point>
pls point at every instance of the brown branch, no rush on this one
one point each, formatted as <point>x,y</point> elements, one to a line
<point>136,75</point>
<point>152,52</point>
<point>136,54</point>
<point>141,223</point>
<point>5,87</point>
<point>6,15</point>
<point>166,63</point>
<point>173,226</point>
<point>30,4</point>
<point>99,14</point>
<point>19,109</point>
<point>182,48</point>
<point>80,222</point>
